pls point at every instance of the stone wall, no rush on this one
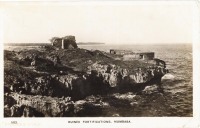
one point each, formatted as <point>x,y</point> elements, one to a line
<point>67,42</point>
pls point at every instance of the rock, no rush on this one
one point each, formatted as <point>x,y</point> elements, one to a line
<point>116,115</point>
<point>9,101</point>
<point>168,77</point>
<point>30,106</point>
<point>7,111</point>
<point>99,78</point>
<point>83,108</point>
<point>65,75</point>
<point>114,75</point>
<point>150,89</point>
<point>134,103</point>
<point>28,112</point>
<point>127,96</point>
<point>15,111</point>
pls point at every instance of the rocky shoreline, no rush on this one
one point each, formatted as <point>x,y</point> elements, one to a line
<point>67,82</point>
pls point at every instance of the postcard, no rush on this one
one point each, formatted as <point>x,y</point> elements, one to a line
<point>127,64</point>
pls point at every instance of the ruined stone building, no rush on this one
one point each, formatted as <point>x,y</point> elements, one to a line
<point>130,55</point>
<point>67,42</point>
<point>139,56</point>
<point>146,55</point>
<point>120,52</point>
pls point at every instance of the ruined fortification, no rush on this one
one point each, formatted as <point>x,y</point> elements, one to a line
<point>50,82</point>
<point>67,42</point>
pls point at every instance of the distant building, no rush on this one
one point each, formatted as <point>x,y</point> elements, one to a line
<point>67,42</point>
<point>139,56</point>
<point>146,55</point>
<point>130,55</point>
<point>120,52</point>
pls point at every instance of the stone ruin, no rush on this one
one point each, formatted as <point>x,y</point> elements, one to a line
<point>67,42</point>
<point>130,55</point>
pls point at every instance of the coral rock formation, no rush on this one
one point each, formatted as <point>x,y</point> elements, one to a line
<point>49,82</point>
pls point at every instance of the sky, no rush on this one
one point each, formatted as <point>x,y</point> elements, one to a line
<point>107,22</point>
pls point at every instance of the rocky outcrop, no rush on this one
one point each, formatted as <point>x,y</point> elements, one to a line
<point>42,81</point>
<point>40,106</point>
<point>99,79</point>
<point>30,106</point>
<point>115,76</point>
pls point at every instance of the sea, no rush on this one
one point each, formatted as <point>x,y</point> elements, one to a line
<point>176,97</point>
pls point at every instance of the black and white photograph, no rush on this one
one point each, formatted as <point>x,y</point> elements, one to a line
<point>98,59</point>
